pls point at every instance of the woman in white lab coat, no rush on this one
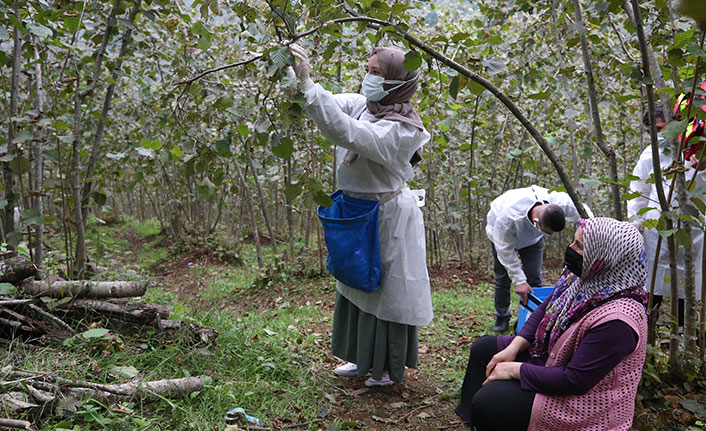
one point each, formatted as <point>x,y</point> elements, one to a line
<point>379,137</point>
<point>648,199</point>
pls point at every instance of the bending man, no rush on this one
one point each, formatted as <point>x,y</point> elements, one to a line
<point>518,220</point>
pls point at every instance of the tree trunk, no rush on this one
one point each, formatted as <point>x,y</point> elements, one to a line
<point>80,255</point>
<point>263,205</point>
<point>245,190</point>
<point>593,98</point>
<point>100,128</point>
<point>689,281</point>
<point>469,184</point>
<point>38,163</point>
<point>8,223</point>
<point>664,202</point>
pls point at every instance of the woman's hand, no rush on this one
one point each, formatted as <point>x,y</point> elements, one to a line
<point>508,354</point>
<point>301,66</point>
<point>504,371</point>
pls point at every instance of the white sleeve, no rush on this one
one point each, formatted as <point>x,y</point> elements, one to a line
<point>380,142</point>
<point>640,186</point>
<point>570,212</point>
<point>504,236</point>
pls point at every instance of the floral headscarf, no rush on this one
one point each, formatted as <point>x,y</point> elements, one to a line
<point>614,267</point>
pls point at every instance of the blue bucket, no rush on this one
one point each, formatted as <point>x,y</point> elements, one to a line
<point>540,293</point>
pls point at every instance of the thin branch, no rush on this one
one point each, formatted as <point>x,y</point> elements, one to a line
<point>218,69</point>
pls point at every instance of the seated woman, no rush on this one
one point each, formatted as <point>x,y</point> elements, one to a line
<point>576,363</point>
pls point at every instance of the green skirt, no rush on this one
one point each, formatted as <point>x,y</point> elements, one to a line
<point>372,344</point>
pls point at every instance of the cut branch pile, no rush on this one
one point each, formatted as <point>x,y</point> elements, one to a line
<point>54,306</point>
<point>62,309</point>
<point>29,390</point>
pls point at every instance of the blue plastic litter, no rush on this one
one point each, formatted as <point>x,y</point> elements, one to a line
<point>351,234</point>
<point>540,294</point>
<point>234,414</point>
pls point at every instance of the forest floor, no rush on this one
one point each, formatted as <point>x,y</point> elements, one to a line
<point>273,358</point>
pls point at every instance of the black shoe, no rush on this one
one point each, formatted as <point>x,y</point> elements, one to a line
<point>502,324</point>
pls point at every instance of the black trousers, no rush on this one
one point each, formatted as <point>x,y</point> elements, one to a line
<point>501,405</point>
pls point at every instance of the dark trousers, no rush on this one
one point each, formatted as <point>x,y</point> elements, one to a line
<point>501,405</point>
<point>531,258</point>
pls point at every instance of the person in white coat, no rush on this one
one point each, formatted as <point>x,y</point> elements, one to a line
<point>518,220</point>
<point>644,170</point>
<point>379,137</point>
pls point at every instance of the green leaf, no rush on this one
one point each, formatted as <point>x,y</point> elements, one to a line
<point>694,407</point>
<point>284,148</point>
<point>699,204</point>
<point>412,61</point>
<point>71,23</point>
<point>541,96</point>
<point>323,199</point>
<point>666,233</point>
<point>243,130</point>
<point>674,129</point>
<point>4,35</point>
<point>459,36</point>
<point>291,191</point>
<point>453,88</point>
<point>476,88</point>
<point>23,136</point>
<point>99,197</point>
<point>223,102</point>
<point>223,146</point>
<point>177,152</point>
<point>151,144</point>
<point>128,372</point>
<point>204,41</point>
<point>30,217</point>
<point>39,30</point>
<point>683,237</point>
<point>7,289</point>
<point>630,195</point>
<point>281,56</point>
<point>95,333</point>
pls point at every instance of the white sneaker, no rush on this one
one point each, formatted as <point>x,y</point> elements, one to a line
<point>348,369</point>
<point>384,381</point>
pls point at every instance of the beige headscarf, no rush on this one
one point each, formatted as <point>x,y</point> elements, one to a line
<point>397,105</point>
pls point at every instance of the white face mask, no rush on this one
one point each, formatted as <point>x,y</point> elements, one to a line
<point>372,87</point>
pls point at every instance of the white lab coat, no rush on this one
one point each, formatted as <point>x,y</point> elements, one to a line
<point>648,199</point>
<point>384,150</point>
<point>509,228</point>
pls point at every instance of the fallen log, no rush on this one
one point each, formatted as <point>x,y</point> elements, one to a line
<point>85,289</point>
<point>14,423</point>
<point>137,312</point>
<point>143,389</point>
<point>16,269</point>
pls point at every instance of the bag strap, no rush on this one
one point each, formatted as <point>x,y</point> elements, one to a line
<point>387,198</point>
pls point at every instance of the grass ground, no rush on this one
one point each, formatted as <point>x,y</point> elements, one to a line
<point>272,354</point>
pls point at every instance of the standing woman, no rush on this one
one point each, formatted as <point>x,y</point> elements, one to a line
<point>576,363</point>
<point>379,138</point>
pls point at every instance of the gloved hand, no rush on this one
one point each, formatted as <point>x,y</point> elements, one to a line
<point>301,67</point>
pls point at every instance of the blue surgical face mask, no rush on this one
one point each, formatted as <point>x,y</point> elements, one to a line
<point>661,140</point>
<point>372,87</point>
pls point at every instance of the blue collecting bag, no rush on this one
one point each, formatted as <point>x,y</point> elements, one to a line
<point>351,234</point>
